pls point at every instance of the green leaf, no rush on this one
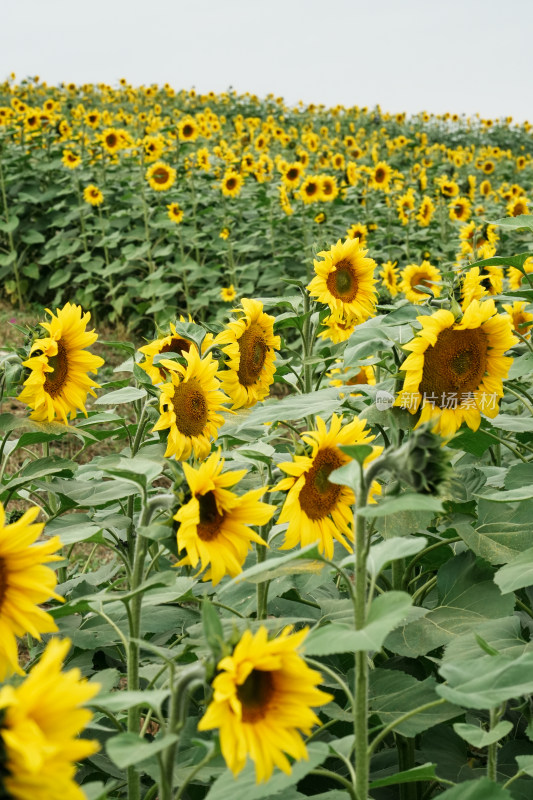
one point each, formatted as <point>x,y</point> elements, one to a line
<point>406,502</point>
<point>425,772</point>
<point>502,635</point>
<point>517,574</point>
<point>138,470</point>
<point>386,613</point>
<point>481,789</point>
<point>510,496</point>
<point>246,787</point>
<point>496,542</point>
<point>394,693</point>
<point>467,597</point>
<point>359,452</point>
<point>515,424</point>
<point>128,749</point>
<point>487,681</point>
<point>478,737</point>
<point>9,227</point>
<point>525,764</point>
<point>391,550</point>
<point>292,407</point>
<point>212,626</point>
<point>273,567</point>
<point>127,395</point>
<point>122,701</point>
<point>513,223</point>
<point>73,528</point>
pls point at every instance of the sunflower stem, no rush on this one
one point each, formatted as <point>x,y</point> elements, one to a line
<point>10,234</point>
<point>82,216</point>
<point>184,272</point>
<point>361,657</point>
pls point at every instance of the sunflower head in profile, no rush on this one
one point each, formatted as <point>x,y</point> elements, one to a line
<point>231,183</point>
<point>414,275</point>
<point>25,583</point>
<point>455,369</point>
<point>40,722</point>
<point>59,380</point>
<point>263,699</point>
<point>175,213</point>
<point>189,404</point>
<point>250,345</point>
<point>317,510</point>
<point>160,176</point>
<point>345,280</point>
<point>214,525</point>
<point>425,212</point>
<point>480,282</point>
<point>360,376</point>
<point>521,320</point>
<point>517,276</point>
<point>389,277</point>
<point>337,328</point>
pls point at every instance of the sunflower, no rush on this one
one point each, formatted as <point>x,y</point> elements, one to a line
<point>448,187</point>
<point>188,129</point>
<point>485,188</point>
<point>380,176</point>
<point>228,293</point>
<point>214,523</point>
<point>358,231</point>
<point>188,406</point>
<point>405,204</point>
<point>292,174</point>
<point>480,282</point>
<point>317,510</point>
<point>457,368</point>
<point>92,118</point>
<point>460,209</point>
<point>516,276</point>
<point>389,277</point>
<point>517,206</point>
<point>328,188</point>
<point>345,280</point>
<point>175,213</point>
<point>173,342</point>
<point>231,183</point>
<point>60,365</point>
<point>521,319</point>
<point>423,274</point>
<point>93,195</point>
<point>70,160</point>
<point>310,190</point>
<point>425,212</point>
<point>366,376</point>
<point>337,328</point>
<point>320,218</point>
<point>25,582</point>
<point>250,345</point>
<point>262,702</point>
<point>160,176</point>
<point>111,140</point>
<point>224,233</point>
<point>40,720</point>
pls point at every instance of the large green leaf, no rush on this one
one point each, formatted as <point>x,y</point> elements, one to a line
<point>482,789</point>
<point>298,406</point>
<point>517,574</point>
<point>128,749</point>
<point>501,635</point>
<point>391,550</point>
<point>425,772</point>
<point>467,596</point>
<point>496,542</point>
<point>487,681</point>
<point>394,693</point>
<point>478,737</point>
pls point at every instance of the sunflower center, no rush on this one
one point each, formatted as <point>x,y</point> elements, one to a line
<point>380,175</point>
<point>190,407</point>
<point>319,497</point>
<point>421,279</point>
<point>342,282</point>
<point>456,363</point>
<point>160,175</point>
<point>3,581</point>
<point>253,351</point>
<point>176,345</point>
<point>255,694</point>
<point>230,184</point>
<point>55,381</point>
<point>210,520</point>
<point>360,378</point>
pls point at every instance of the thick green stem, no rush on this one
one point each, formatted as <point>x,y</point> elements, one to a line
<point>492,750</point>
<point>361,658</point>
<point>262,588</point>
<point>406,760</point>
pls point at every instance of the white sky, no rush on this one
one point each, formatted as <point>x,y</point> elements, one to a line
<point>437,55</point>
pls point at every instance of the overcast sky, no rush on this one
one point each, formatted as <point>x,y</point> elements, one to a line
<point>438,55</point>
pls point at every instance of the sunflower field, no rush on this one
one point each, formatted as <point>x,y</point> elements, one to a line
<point>266,449</point>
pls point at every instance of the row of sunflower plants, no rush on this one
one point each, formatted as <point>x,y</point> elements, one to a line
<point>134,201</point>
<point>322,592</point>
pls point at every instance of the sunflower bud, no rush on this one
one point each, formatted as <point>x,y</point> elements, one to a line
<point>420,462</point>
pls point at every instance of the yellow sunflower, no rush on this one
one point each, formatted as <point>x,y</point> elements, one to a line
<point>516,276</point>
<point>231,183</point>
<point>175,213</point>
<point>425,212</point>
<point>92,195</point>
<point>310,190</point>
<point>460,209</point>
<point>455,369</point>
<point>188,406</point>
<point>389,277</point>
<point>380,176</point>
<point>60,365</point>
<point>317,510</point>
<point>214,523</point>
<point>25,582</point>
<point>250,345</point>
<point>173,342</point>
<point>328,188</point>
<point>262,702</point>
<point>160,176</point>
<point>188,129</point>
<point>521,319</point>
<point>358,231</point>
<point>40,723</point>
<point>228,293</point>
<point>70,160</point>
<point>111,140</point>
<point>337,328</point>
<point>366,376</point>
<point>517,206</point>
<point>292,174</point>
<point>480,283</point>
<point>447,186</point>
<point>345,280</point>
<point>423,274</point>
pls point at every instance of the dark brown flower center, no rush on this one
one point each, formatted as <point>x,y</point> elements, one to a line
<point>188,130</point>
<point>380,175</point>
<point>111,140</point>
<point>421,279</point>
<point>55,381</point>
<point>160,175</point>
<point>253,351</point>
<point>342,282</point>
<point>190,407</point>
<point>456,363</point>
<point>230,184</point>
<point>318,496</point>
<point>255,694</point>
<point>210,519</point>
